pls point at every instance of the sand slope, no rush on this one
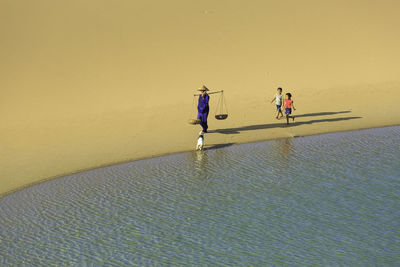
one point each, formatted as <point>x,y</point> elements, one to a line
<point>89,83</point>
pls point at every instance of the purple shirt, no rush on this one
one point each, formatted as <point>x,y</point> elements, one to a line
<point>203,107</point>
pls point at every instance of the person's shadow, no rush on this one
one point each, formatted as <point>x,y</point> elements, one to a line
<point>282,124</point>
<point>321,114</point>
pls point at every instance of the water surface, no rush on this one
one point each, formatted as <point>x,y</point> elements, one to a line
<point>330,199</point>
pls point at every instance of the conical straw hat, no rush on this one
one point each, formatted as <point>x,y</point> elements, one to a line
<point>203,88</point>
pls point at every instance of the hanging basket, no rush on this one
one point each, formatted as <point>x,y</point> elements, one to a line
<point>221,111</point>
<point>221,116</point>
<point>194,121</point>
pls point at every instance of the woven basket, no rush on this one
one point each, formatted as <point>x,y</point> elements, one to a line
<point>194,121</point>
<point>221,116</point>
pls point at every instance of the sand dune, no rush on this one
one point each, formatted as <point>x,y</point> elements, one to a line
<point>90,83</point>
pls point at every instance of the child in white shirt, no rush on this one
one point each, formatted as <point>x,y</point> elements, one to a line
<point>278,98</point>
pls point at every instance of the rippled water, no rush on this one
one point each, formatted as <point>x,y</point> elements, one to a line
<point>326,199</point>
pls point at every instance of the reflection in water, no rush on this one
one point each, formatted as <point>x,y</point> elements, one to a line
<point>284,202</point>
<point>200,155</point>
<point>284,147</point>
<point>201,165</point>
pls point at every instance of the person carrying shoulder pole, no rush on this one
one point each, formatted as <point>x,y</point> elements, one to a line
<point>203,108</point>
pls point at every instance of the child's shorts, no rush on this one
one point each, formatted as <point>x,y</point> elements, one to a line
<point>288,111</point>
<point>278,107</point>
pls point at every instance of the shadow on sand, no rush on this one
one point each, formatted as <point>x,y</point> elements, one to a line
<point>215,146</point>
<point>322,114</point>
<point>284,125</point>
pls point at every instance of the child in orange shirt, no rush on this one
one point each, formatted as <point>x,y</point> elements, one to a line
<point>288,103</point>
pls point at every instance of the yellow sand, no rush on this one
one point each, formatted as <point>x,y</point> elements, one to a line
<point>91,83</point>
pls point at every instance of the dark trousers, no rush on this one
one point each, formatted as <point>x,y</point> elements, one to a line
<point>203,120</point>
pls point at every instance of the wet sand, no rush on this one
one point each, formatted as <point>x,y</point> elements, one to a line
<point>95,83</point>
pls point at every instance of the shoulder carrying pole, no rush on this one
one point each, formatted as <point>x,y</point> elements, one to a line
<point>210,93</point>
